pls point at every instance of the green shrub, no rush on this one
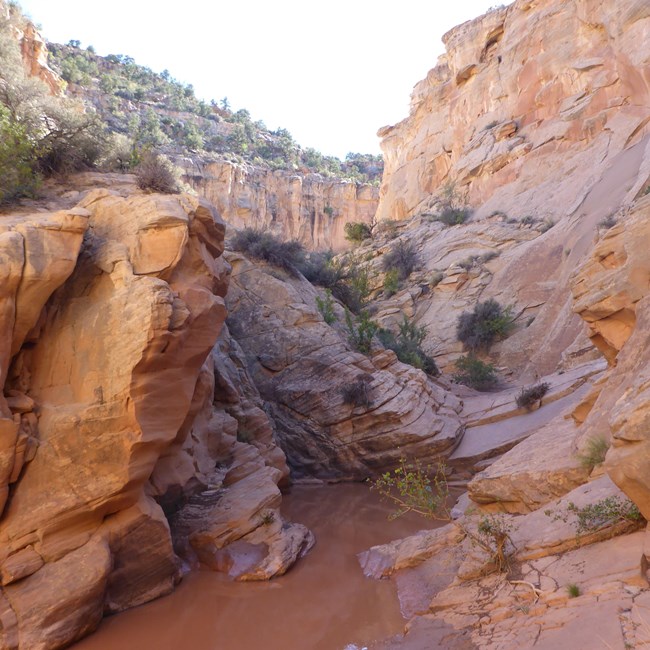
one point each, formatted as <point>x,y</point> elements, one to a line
<point>18,159</point>
<point>357,231</point>
<point>573,590</point>
<point>452,211</point>
<point>594,452</point>
<point>357,393</point>
<point>326,307</point>
<point>487,323</point>
<point>155,173</point>
<point>407,345</point>
<point>361,332</point>
<point>402,257</point>
<point>436,278</point>
<point>265,246</point>
<point>349,282</point>
<point>391,283</point>
<point>475,373</point>
<point>529,397</point>
<point>604,513</point>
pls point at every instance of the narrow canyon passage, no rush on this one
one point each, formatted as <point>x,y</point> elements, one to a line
<point>323,603</point>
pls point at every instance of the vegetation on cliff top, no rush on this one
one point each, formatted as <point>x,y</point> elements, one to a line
<point>155,110</point>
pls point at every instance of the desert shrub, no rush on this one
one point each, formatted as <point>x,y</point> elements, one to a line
<point>594,452</point>
<point>402,257</point>
<point>547,224</point>
<point>436,278</point>
<point>468,263</point>
<point>361,331</point>
<point>487,323</point>
<point>357,393</point>
<point>573,590</point>
<point>452,211</point>
<point>348,282</point>
<point>475,373</point>
<point>326,307</point>
<point>155,173</point>
<point>412,487</point>
<point>17,160</point>
<point>357,231</point>
<point>608,222</point>
<point>529,220</point>
<point>265,246</point>
<point>391,282</point>
<point>528,397</point>
<point>601,514</point>
<point>388,228</point>
<point>487,257</point>
<point>407,345</point>
<point>40,134</point>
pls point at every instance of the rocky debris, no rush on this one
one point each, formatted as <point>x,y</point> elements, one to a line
<point>302,366</point>
<point>311,208</point>
<point>533,601</point>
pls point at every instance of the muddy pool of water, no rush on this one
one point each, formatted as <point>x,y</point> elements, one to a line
<point>323,603</point>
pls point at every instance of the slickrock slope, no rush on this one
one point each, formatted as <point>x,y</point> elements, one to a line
<point>302,367</point>
<point>309,208</point>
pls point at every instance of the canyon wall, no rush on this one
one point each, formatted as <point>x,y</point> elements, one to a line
<point>132,435</point>
<point>529,105</point>
<point>309,208</point>
<point>536,119</point>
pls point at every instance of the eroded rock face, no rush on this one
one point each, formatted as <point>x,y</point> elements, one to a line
<point>523,94</point>
<point>612,294</point>
<point>302,367</point>
<point>311,209</point>
<point>122,405</point>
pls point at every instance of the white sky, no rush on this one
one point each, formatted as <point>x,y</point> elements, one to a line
<point>332,73</point>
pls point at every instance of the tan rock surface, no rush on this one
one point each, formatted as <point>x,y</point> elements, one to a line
<point>301,365</point>
<point>309,208</point>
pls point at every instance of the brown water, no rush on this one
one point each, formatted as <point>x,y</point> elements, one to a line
<point>323,603</point>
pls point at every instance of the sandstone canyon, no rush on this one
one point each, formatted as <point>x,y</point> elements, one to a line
<point>162,391</point>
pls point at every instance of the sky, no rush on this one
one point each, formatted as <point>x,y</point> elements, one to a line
<point>332,73</point>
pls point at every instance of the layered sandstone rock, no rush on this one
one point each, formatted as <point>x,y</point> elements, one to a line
<point>121,409</point>
<point>302,367</point>
<point>309,208</point>
<point>527,123</point>
<point>612,294</point>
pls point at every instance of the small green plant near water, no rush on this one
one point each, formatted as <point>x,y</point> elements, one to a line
<point>475,373</point>
<point>528,398</point>
<point>602,514</point>
<point>361,331</point>
<point>412,487</point>
<point>391,283</point>
<point>358,392</point>
<point>594,452</point>
<point>573,590</point>
<point>326,307</point>
<point>407,345</point>
<point>485,324</point>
